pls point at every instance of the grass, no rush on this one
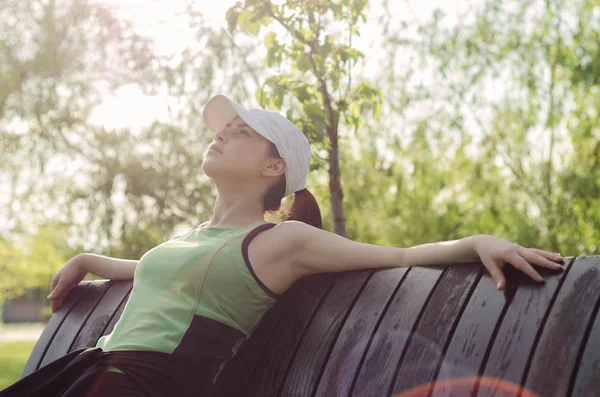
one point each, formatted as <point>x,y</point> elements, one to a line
<point>13,356</point>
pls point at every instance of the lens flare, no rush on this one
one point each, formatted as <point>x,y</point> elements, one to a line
<point>454,380</point>
<point>345,370</point>
<point>464,387</point>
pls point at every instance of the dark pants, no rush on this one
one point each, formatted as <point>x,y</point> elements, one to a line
<point>84,372</point>
<point>114,384</point>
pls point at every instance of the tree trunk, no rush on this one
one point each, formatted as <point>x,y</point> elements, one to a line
<point>335,187</point>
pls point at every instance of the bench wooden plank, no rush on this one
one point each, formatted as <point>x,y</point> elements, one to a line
<point>587,378</point>
<point>96,324</point>
<point>69,329</point>
<point>301,305</point>
<point>116,317</point>
<point>426,347</point>
<point>319,337</point>
<point>554,360</point>
<point>53,327</point>
<point>351,342</point>
<point>517,334</point>
<point>375,375</point>
<point>474,332</point>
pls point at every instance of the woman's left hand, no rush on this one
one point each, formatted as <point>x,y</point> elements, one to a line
<point>495,252</point>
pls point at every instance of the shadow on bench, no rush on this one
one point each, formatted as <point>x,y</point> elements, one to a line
<point>383,332</point>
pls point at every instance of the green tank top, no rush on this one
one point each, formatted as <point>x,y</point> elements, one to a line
<point>195,296</point>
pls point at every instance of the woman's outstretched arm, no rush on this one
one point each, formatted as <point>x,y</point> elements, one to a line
<point>107,267</point>
<point>319,251</point>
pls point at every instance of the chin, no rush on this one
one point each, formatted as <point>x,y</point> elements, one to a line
<point>208,169</point>
<point>216,171</point>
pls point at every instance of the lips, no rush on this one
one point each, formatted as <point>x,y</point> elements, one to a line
<point>214,149</point>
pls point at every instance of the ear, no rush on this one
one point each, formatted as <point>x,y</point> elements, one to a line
<point>274,167</point>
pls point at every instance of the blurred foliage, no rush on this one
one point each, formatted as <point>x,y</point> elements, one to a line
<point>125,191</point>
<point>488,126</point>
<point>494,140</point>
<point>33,263</point>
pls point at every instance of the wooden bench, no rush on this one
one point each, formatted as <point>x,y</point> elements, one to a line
<point>383,332</point>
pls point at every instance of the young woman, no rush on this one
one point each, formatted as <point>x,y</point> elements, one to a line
<point>195,298</point>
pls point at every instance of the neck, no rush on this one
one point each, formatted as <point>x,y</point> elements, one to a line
<point>236,208</point>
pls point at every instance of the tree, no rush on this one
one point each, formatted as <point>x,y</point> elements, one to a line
<point>580,180</point>
<point>21,264</point>
<point>58,59</point>
<point>316,77</point>
<point>519,151</point>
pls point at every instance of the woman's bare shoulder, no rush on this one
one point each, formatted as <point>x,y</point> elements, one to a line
<point>270,253</point>
<point>280,241</point>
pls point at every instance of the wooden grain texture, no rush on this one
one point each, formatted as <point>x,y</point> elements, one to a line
<point>66,334</point>
<point>425,350</point>
<point>319,337</point>
<point>517,334</point>
<point>586,381</point>
<point>352,340</point>
<point>553,362</point>
<point>376,372</point>
<point>116,316</point>
<point>95,325</point>
<point>302,301</point>
<point>475,331</point>
<point>54,324</point>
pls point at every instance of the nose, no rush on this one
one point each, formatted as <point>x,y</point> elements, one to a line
<point>219,138</point>
<point>220,135</point>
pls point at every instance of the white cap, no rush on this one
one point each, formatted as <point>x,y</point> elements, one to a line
<point>292,144</point>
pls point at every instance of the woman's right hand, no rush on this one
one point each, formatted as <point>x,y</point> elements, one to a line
<point>67,278</point>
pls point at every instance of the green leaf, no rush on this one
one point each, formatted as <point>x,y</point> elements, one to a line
<point>269,39</point>
<point>276,101</point>
<point>304,63</point>
<point>314,111</point>
<point>355,109</point>
<point>271,58</point>
<point>302,93</point>
<point>335,81</point>
<point>307,35</point>
<point>254,28</point>
<point>320,126</point>
<point>376,109</point>
<point>358,126</point>
<point>249,22</point>
<point>243,20</point>
<point>260,96</point>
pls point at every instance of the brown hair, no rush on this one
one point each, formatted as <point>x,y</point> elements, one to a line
<point>304,207</point>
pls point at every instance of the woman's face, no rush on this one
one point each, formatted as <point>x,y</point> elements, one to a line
<point>238,154</point>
